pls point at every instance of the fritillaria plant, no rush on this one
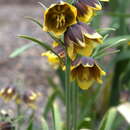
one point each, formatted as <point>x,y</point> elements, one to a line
<point>75,49</point>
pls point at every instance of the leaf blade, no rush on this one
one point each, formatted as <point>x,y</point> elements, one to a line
<point>20,50</point>
<point>56,117</point>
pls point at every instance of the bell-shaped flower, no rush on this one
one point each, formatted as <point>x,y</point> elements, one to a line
<point>30,98</point>
<point>86,9</point>
<point>81,39</point>
<point>53,59</point>
<point>85,71</point>
<point>8,93</point>
<point>58,17</point>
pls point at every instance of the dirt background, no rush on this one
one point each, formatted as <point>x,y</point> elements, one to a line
<point>30,2</point>
<point>29,69</point>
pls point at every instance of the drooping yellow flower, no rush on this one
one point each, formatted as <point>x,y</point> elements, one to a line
<point>8,93</point>
<point>54,59</point>
<point>86,71</point>
<point>81,39</point>
<point>30,98</point>
<point>86,9</point>
<point>58,17</point>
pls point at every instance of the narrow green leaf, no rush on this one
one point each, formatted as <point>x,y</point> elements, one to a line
<point>20,50</point>
<point>105,37</point>
<point>30,126</point>
<point>44,124</point>
<point>42,5</point>
<point>108,120</point>
<point>42,44</point>
<point>104,31</point>
<point>50,101</point>
<point>56,117</point>
<point>35,21</point>
<point>31,121</point>
<point>110,42</point>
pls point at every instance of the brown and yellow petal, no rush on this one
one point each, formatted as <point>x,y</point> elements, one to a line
<point>86,84</point>
<point>53,58</point>
<point>8,93</point>
<point>85,71</point>
<point>30,98</point>
<point>85,51</point>
<point>81,39</point>
<point>95,4</point>
<point>86,9</point>
<point>84,13</point>
<point>58,17</point>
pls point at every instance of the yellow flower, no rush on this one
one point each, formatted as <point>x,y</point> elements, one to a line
<point>52,58</point>
<point>129,43</point>
<point>30,98</point>
<point>85,71</point>
<point>58,17</point>
<point>81,39</point>
<point>86,9</point>
<point>8,93</point>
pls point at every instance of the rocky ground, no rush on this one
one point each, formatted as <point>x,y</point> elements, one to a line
<point>29,69</point>
<point>23,2</point>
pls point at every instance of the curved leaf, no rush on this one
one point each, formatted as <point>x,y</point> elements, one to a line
<point>35,21</point>
<point>56,117</point>
<point>42,44</point>
<point>20,50</point>
<point>108,120</point>
<point>44,124</point>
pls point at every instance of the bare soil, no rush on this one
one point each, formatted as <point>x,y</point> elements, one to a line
<point>29,70</point>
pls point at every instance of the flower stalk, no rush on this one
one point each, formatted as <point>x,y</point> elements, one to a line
<point>71,99</point>
<point>68,93</point>
<point>74,105</point>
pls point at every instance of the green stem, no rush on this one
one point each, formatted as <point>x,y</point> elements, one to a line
<point>19,114</point>
<point>67,88</point>
<point>74,105</point>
